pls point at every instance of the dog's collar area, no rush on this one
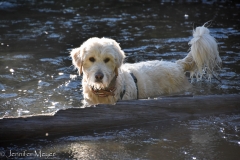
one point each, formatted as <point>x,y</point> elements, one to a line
<point>109,91</point>
<point>124,90</point>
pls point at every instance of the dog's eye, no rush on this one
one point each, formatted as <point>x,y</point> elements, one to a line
<point>106,60</point>
<point>92,59</point>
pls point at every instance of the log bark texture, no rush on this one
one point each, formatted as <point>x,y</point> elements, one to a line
<point>123,113</point>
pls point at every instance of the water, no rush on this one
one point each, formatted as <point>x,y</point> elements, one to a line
<point>215,137</point>
<point>36,75</point>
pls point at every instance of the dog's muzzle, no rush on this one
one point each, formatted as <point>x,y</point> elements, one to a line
<point>108,91</point>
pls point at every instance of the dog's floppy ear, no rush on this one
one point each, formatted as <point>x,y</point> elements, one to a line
<point>119,54</point>
<point>76,59</point>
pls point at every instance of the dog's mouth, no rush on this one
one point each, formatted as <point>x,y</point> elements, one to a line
<point>98,85</point>
<point>101,90</point>
<point>97,88</point>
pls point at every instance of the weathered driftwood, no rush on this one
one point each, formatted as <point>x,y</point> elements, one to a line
<point>124,113</point>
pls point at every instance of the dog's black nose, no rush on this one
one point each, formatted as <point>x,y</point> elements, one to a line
<point>99,76</point>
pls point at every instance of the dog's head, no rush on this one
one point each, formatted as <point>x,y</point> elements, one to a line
<point>98,59</point>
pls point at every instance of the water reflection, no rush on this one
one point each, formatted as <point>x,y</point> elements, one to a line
<point>213,137</point>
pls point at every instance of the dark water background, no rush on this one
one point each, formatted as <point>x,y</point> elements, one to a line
<point>36,37</point>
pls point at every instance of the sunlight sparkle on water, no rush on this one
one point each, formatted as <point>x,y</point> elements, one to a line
<point>51,107</point>
<point>11,70</point>
<point>72,76</point>
<point>54,103</point>
<point>25,111</point>
<point>60,73</point>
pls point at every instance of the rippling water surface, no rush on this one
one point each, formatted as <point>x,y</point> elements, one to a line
<point>36,75</point>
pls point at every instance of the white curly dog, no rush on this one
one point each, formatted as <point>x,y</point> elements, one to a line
<point>106,79</point>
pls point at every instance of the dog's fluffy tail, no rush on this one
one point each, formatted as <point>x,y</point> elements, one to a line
<point>203,58</point>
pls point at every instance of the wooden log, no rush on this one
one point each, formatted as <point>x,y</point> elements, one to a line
<point>123,113</point>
